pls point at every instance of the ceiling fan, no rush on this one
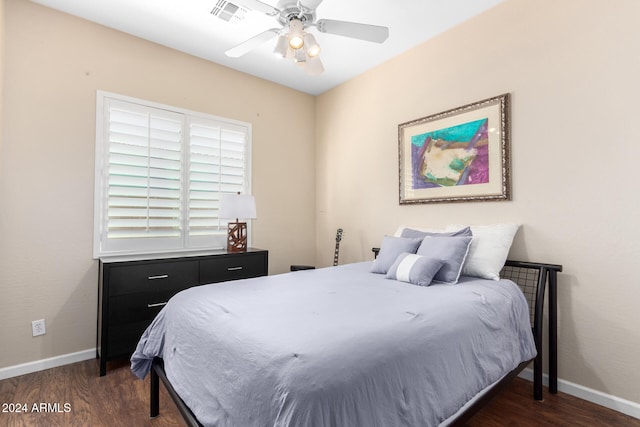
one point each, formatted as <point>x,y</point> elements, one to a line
<point>294,41</point>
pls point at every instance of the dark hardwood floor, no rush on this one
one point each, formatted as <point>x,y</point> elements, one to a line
<point>119,399</point>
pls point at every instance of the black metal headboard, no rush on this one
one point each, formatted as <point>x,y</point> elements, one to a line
<point>532,278</point>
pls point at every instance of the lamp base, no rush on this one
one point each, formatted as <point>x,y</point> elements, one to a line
<point>237,237</point>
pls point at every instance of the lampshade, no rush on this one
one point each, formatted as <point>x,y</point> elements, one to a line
<point>237,206</point>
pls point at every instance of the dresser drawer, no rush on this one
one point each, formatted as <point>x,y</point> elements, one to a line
<point>122,341</point>
<point>131,308</point>
<point>152,277</point>
<point>220,269</point>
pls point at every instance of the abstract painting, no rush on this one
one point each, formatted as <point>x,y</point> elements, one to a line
<point>458,155</point>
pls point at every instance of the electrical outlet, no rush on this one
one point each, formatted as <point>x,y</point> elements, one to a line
<point>38,327</point>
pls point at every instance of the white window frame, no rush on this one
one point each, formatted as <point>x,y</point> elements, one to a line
<point>102,246</point>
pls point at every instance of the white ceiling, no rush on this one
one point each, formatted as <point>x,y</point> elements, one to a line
<point>188,26</point>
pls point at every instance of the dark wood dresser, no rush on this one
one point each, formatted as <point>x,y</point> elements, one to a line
<point>131,291</point>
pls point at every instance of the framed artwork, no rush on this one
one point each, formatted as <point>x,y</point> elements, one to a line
<point>460,155</point>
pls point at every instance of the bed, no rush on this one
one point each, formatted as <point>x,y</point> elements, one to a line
<point>344,346</point>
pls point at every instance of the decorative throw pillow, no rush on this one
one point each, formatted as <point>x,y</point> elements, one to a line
<point>489,249</point>
<point>410,232</point>
<point>453,250</point>
<point>413,268</point>
<point>390,249</point>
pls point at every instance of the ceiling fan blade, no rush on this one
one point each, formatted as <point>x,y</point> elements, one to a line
<point>309,5</point>
<point>372,33</point>
<point>255,41</point>
<point>257,5</point>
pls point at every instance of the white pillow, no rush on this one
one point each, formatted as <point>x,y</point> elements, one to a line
<point>398,232</point>
<point>489,249</point>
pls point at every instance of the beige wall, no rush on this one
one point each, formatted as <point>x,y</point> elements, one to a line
<point>54,65</point>
<point>572,68</point>
<point>1,70</point>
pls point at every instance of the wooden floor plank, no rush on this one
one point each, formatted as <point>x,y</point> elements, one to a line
<point>120,399</point>
<point>516,407</point>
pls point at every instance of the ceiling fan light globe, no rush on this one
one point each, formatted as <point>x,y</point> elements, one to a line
<point>296,34</point>
<point>313,66</point>
<point>290,53</point>
<point>300,55</point>
<point>312,46</point>
<point>282,46</point>
<point>296,42</point>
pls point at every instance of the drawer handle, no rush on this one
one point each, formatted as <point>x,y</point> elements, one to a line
<point>162,276</point>
<point>234,268</point>
<point>157,304</point>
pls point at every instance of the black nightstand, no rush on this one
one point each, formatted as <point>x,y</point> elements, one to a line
<point>302,267</point>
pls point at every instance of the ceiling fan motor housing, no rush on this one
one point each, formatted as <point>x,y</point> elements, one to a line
<point>289,10</point>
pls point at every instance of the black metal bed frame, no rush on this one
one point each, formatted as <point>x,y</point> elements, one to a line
<point>532,279</point>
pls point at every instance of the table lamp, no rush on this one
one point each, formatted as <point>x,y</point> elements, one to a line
<point>237,206</point>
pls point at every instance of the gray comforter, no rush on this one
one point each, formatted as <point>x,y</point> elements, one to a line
<point>336,347</point>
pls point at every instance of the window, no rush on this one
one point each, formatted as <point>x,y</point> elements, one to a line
<point>160,172</point>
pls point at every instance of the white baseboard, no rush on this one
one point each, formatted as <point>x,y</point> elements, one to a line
<point>41,365</point>
<point>599,398</point>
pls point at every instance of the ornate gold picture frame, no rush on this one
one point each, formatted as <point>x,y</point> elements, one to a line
<point>460,155</point>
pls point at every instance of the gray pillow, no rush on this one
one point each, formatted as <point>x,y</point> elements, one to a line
<point>453,250</point>
<point>390,249</point>
<point>416,269</point>
<point>410,232</point>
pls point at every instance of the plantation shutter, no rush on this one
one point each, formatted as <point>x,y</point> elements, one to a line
<point>218,165</point>
<point>143,177</point>
<point>160,174</point>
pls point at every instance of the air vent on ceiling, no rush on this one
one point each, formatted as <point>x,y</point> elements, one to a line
<point>228,11</point>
